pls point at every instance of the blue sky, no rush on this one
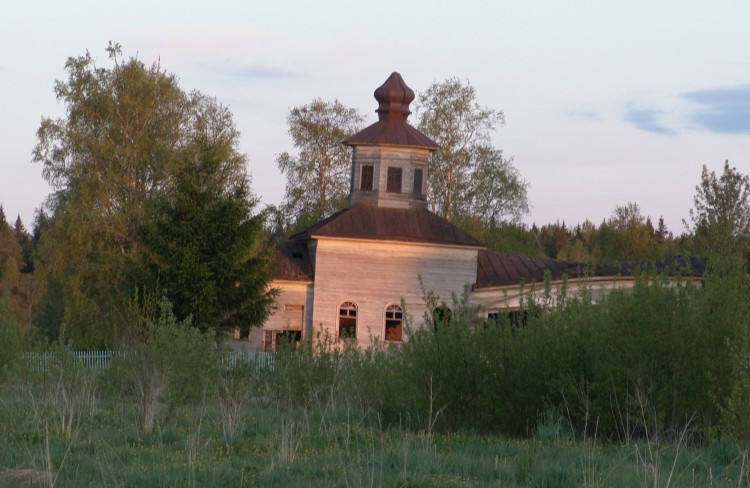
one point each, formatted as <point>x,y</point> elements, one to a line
<point>606,102</point>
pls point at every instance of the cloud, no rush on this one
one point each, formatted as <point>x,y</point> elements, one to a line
<point>722,110</point>
<point>647,119</point>
<point>588,115</point>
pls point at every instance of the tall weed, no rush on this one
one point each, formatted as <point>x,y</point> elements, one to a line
<point>169,363</point>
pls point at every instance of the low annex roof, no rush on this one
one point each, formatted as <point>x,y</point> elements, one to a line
<point>365,221</point>
<point>292,262</point>
<point>499,268</point>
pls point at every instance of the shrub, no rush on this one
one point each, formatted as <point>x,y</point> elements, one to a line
<point>653,361</point>
<point>167,360</point>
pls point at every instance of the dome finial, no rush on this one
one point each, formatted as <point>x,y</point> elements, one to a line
<point>394,98</point>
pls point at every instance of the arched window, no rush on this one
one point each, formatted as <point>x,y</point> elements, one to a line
<point>348,320</point>
<point>394,323</point>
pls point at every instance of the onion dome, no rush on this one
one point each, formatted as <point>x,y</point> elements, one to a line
<point>394,98</point>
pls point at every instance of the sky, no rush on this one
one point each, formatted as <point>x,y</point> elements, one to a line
<point>606,102</point>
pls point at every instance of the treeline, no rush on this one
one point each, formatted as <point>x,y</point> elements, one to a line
<point>626,236</point>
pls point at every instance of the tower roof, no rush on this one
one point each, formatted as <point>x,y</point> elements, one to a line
<point>391,129</point>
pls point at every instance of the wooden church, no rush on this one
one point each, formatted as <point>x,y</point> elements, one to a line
<point>349,274</point>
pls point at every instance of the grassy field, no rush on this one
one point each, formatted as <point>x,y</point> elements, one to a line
<point>95,440</point>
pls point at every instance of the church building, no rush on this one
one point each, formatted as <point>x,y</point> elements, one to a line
<point>349,274</point>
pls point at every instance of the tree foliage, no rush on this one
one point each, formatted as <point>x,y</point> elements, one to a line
<point>317,178</point>
<point>468,176</point>
<point>16,282</point>
<point>128,132</point>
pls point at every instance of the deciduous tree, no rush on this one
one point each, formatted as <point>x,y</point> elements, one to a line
<point>129,134</point>
<point>317,178</point>
<point>468,176</point>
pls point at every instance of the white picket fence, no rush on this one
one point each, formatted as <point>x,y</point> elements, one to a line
<point>42,361</point>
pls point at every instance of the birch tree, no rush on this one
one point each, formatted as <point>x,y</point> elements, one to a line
<point>317,178</point>
<point>117,161</point>
<point>468,176</point>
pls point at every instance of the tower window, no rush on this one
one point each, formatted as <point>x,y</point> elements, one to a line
<point>417,182</point>
<point>366,181</point>
<point>394,180</point>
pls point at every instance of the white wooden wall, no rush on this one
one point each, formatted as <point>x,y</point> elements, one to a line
<point>374,274</point>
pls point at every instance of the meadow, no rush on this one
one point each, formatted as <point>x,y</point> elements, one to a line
<point>313,446</point>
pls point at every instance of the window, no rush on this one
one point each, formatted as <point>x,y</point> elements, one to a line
<point>514,318</point>
<point>241,333</point>
<point>288,339</point>
<point>293,317</point>
<point>273,340</point>
<point>394,323</point>
<point>417,182</point>
<point>441,316</point>
<point>348,320</point>
<point>394,180</point>
<point>366,180</point>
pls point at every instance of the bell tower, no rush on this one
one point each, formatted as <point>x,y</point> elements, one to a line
<point>390,157</point>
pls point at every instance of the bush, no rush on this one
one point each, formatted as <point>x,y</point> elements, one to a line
<point>654,360</point>
<point>168,361</point>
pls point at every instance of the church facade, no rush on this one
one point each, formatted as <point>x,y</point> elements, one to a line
<point>352,274</point>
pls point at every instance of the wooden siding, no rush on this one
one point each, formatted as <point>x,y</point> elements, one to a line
<point>376,274</point>
<point>290,293</point>
<point>380,158</point>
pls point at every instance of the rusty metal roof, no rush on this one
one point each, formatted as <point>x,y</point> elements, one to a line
<point>393,97</point>
<point>292,262</point>
<point>499,268</point>
<point>365,221</point>
<point>391,133</point>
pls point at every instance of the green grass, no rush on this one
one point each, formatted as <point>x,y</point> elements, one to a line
<point>321,447</point>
